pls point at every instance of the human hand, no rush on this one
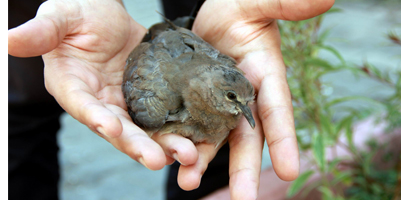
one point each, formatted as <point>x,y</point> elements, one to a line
<point>85,45</point>
<point>248,32</point>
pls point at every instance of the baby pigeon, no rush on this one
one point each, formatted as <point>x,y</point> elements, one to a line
<point>175,82</point>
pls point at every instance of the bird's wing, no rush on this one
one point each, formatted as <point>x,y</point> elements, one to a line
<point>202,47</point>
<point>146,92</point>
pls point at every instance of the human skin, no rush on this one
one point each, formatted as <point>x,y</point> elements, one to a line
<point>84,46</point>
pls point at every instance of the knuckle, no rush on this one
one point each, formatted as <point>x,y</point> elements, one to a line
<point>278,140</point>
<point>266,113</point>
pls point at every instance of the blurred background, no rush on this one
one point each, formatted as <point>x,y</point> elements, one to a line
<point>91,168</point>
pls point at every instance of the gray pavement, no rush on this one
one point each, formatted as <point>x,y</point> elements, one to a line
<point>358,33</point>
<point>92,169</point>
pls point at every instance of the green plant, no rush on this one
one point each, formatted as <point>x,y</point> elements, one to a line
<point>319,124</point>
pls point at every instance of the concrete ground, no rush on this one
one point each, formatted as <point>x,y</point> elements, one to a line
<point>92,169</point>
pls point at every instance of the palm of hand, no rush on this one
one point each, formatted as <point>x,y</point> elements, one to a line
<point>91,58</point>
<point>94,50</point>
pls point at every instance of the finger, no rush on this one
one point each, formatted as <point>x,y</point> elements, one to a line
<point>134,142</point>
<point>287,9</point>
<point>278,122</point>
<point>249,20</point>
<point>169,160</point>
<point>43,33</point>
<point>79,100</point>
<point>276,113</point>
<point>246,145</point>
<point>181,149</point>
<point>189,177</point>
<point>263,9</point>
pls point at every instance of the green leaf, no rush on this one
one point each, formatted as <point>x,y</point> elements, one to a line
<point>297,185</point>
<point>334,10</point>
<point>327,193</point>
<point>349,133</point>
<point>339,100</point>
<point>319,151</point>
<point>324,72</point>
<point>333,51</point>
<point>318,63</point>
<point>333,164</point>
<point>342,123</point>
<point>398,82</point>
<point>323,36</point>
<point>344,99</point>
<point>373,70</point>
<point>340,177</point>
<point>312,186</point>
<point>326,123</point>
<point>340,198</point>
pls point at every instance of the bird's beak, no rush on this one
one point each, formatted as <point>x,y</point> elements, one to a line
<point>247,113</point>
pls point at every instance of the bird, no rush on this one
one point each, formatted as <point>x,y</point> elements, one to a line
<point>175,82</point>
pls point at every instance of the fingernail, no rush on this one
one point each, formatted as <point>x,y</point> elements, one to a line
<point>175,156</point>
<point>101,130</point>
<point>200,180</point>
<point>142,162</point>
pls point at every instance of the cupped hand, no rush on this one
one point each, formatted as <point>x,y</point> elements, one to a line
<point>84,46</point>
<point>248,32</point>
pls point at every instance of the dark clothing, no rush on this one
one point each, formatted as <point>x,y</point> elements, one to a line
<point>33,122</point>
<point>215,177</point>
<point>25,75</point>
<point>178,8</point>
<point>33,169</point>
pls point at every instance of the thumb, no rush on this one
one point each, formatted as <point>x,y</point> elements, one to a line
<point>41,34</point>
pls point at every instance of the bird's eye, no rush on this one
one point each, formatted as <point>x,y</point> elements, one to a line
<point>231,96</point>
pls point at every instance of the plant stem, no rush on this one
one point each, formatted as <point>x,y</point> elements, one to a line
<point>397,191</point>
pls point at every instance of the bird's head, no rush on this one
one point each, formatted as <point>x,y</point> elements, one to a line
<point>226,90</point>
